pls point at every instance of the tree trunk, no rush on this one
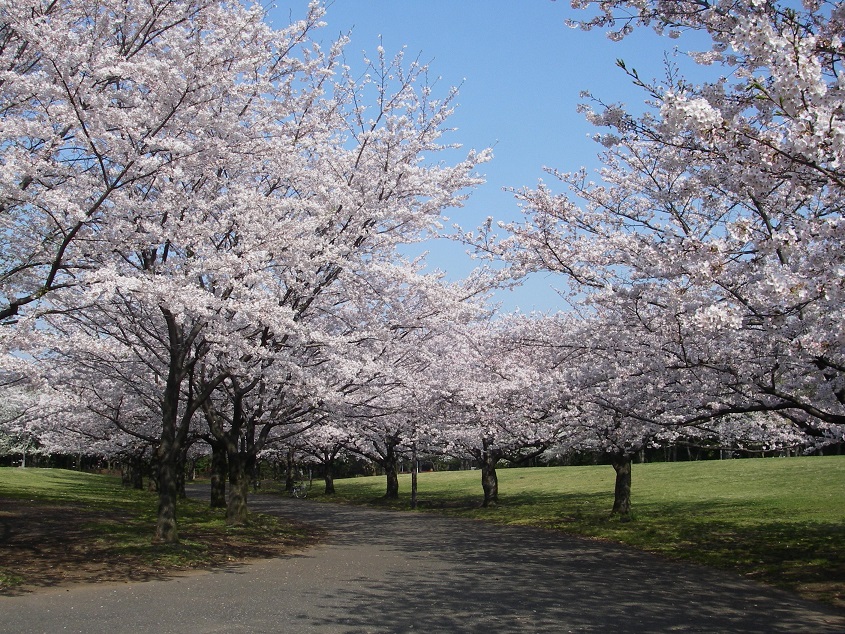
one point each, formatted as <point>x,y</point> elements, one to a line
<point>180,474</point>
<point>126,474</point>
<point>167,493</point>
<point>289,464</point>
<point>167,461</point>
<point>219,472</point>
<point>392,473</point>
<point>152,474</point>
<point>489,480</point>
<point>237,511</point>
<point>622,492</point>
<point>329,477</point>
<point>390,464</point>
<point>489,459</point>
<point>173,431</point>
<point>236,507</point>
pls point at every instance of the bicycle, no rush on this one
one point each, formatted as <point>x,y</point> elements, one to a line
<point>299,491</point>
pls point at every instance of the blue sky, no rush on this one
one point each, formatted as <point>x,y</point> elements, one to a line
<point>521,71</point>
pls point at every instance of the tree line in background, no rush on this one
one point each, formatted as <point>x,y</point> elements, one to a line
<point>203,223</point>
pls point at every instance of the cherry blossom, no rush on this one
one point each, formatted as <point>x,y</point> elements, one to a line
<point>212,199</point>
<point>713,234</point>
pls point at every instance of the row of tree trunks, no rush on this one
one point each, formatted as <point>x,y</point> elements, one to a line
<point>132,471</point>
<point>229,458</point>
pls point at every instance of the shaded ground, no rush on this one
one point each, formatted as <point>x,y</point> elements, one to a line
<point>45,545</point>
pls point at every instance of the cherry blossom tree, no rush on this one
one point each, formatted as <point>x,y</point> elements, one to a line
<point>244,188</point>
<point>123,122</point>
<point>247,415</point>
<point>324,445</point>
<point>715,230</point>
<point>615,389</point>
<point>17,403</point>
<point>102,103</point>
<point>336,288</point>
<point>387,400</point>
<point>503,394</point>
<point>632,389</point>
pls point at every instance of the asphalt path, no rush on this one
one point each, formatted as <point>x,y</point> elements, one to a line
<point>386,571</point>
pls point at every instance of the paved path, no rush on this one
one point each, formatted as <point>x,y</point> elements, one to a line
<point>382,571</point>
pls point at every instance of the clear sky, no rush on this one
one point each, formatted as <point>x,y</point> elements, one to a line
<point>521,71</point>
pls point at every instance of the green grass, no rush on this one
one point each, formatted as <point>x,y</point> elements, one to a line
<point>780,521</point>
<point>59,485</point>
<point>9,579</point>
<point>118,524</point>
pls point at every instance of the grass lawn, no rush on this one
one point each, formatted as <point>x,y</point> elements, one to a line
<point>778,520</point>
<point>65,526</point>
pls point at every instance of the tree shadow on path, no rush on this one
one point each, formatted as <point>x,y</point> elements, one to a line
<point>417,572</point>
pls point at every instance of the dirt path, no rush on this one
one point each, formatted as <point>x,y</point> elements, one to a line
<point>382,571</point>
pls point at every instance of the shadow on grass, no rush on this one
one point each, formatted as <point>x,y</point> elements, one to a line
<point>806,557</point>
<point>758,542</point>
<point>46,545</point>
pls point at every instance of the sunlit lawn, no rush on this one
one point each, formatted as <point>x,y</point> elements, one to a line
<point>778,520</point>
<point>60,485</point>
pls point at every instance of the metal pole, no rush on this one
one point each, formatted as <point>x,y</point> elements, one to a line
<point>414,469</point>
